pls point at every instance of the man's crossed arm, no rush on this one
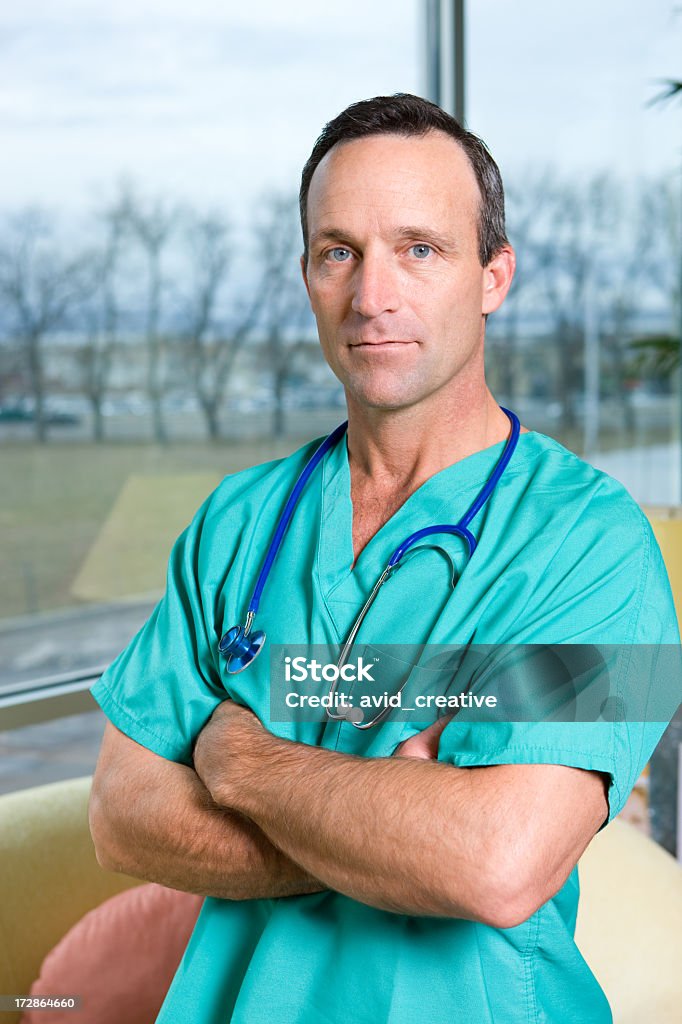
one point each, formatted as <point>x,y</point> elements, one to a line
<point>264,816</point>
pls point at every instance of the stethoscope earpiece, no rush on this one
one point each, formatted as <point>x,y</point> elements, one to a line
<point>353,715</point>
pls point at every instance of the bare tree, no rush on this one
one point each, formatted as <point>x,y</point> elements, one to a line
<point>100,316</point>
<point>39,287</point>
<point>152,224</point>
<point>210,343</point>
<point>661,213</point>
<point>579,215</point>
<point>285,308</point>
<point>526,228</point>
<point>628,272</point>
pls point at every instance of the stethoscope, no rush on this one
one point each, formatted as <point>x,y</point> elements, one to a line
<point>239,646</point>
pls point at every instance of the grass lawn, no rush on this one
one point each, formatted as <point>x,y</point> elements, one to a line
<point>57,503</point>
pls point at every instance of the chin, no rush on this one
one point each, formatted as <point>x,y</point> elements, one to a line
<point>378,397</point>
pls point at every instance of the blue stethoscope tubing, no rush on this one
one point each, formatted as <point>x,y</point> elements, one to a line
<point>240,646</point>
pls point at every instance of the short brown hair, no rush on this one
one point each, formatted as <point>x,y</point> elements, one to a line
<point>408,115</point>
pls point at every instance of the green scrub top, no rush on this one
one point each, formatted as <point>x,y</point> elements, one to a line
<point>564,556</point>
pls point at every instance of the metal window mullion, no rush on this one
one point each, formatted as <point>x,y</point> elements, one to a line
<point>52,700</point>
<point>445,55</point>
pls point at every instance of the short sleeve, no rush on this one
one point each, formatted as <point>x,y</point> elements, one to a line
<point>162,689</point>
<point>620,747</point>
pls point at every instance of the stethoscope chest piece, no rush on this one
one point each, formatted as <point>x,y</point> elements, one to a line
<point>240,648</point>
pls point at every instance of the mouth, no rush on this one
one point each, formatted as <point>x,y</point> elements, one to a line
<point>387,345</point>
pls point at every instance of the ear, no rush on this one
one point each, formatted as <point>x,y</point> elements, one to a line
<point>304,273</point>
<point>497,279</point>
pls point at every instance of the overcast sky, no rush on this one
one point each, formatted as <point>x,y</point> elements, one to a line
<point>215,101</point>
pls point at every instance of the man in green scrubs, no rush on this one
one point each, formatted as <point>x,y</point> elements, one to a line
<point>390,875</point>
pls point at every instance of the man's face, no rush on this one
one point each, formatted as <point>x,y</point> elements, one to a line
<point>393,272</point>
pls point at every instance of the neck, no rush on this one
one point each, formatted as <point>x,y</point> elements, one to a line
<point>401,448</point>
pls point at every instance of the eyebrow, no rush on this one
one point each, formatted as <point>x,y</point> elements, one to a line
<point>428,234</point>
<point>333,234</point>
<point>330,235</point>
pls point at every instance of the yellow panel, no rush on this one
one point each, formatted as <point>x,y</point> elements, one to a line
<point>666,523</point>
<point>128,557</point>
<point>630,924</point>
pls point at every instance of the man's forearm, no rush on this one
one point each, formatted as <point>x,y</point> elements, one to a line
<point>408,833</point>
<point>383,831</point>
<point>154,819</point>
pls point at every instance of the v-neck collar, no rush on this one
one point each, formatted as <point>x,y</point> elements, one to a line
<point>444,497</point>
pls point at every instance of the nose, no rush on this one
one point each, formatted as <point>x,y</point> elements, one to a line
<point>376,288</point>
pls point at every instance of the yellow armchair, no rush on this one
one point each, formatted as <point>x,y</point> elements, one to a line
<point>49,877</point>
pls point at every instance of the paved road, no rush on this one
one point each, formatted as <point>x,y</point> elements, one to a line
<point>35,647</point>
<point>64,749</point>
<point>44,645</point>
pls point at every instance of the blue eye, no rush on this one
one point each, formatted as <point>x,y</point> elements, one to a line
<point>338,254</point>
<point>421,251</point>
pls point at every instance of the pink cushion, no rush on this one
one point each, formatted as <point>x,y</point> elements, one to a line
<point>120,958</point>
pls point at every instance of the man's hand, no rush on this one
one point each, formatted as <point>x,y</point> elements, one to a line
<point>232,743</point>
<point>424,745</point>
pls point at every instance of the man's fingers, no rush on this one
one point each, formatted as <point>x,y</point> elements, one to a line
<point>424,745</point>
